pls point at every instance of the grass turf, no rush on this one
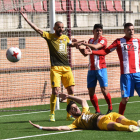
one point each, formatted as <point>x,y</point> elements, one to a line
<point>15,124</point>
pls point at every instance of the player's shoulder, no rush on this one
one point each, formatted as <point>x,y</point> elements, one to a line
<point>64,37</point>
<point>118,39</point>
<point>91,40</point>
<point>103,38</point>
<point>137,39</point>
<point>47,34</point>
<point>85,109</point>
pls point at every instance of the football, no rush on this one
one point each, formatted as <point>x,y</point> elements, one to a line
<point>13,54</point>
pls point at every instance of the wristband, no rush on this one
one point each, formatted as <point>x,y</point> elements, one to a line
<point>40,127</point>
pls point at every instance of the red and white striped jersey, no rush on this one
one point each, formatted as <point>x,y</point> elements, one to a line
<point>128,51</point>
<point>97,62</point>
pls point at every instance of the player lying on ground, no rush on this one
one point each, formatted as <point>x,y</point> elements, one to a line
<point>90,121</point>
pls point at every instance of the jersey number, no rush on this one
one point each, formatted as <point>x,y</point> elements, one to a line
<point>62,48</point>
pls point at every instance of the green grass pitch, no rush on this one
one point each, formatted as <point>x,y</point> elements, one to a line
<point>15,125</point>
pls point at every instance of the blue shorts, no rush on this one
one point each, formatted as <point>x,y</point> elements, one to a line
<point>94,75</point>
<point>129,83</point>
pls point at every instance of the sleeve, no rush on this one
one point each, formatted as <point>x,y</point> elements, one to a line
<point>68,41</point>
<point>45,34</point>
<point>85,109</point>
<point>103,42</point>
<point>72,126</point>
<point>109,49</point>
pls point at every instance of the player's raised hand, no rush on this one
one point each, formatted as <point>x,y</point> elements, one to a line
<point>74,40</point>
<point>63,96</point>
<point>88,51</point>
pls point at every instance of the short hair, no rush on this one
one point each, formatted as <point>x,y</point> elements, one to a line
<point>98,26</point>
<point>127,25</point>
<point>57,22</point>
<point>69,105</point>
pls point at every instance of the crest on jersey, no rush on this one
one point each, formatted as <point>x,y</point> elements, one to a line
<point>102,41</point>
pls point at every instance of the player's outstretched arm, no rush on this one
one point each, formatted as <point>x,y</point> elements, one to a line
<point>31,24</point>
<point>58,128</point>
<point>99,52</point>
<point>76,43</point>
<point>87,51</point>
<point>93,46</point>
<point>80,101</point>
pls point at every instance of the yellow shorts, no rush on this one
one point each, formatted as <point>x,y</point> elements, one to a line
<point>61,73</point>
<point>111,117</point>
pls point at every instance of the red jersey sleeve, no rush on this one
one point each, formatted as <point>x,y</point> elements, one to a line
<point>109,49</point>
<point>103,42</point>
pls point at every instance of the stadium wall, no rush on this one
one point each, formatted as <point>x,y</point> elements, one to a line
<point>11,20</point>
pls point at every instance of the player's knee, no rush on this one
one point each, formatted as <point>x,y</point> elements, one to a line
<point>55,91</point>
<point>91,91</point>
<point>125,100</point>
<point>70,90</point>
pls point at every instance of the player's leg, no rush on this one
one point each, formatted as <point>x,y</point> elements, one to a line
<point>122,105</point>
<point>108,123</point>
<point>103,80</point>
<point>114,121</point>
<point>94,99</point>
<point>55,75</point>
<point>136,77</point>
<point>55,92</point>
<point>107,97</point>
<point>123,120</point>
<point>68,82</point>
<point>91,84</point>
<point>119,127</point>
<point>127,90</point>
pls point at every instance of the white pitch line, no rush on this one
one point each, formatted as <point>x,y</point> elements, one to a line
<point>41,135</point>
<point>49,110</point>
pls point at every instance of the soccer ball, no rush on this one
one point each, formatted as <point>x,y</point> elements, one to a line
<point>13,54</point>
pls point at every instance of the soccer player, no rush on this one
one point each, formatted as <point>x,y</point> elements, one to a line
<point>97,68</point>
<point>128,49</point>
<point>90,121</point>
<point>60,69</point>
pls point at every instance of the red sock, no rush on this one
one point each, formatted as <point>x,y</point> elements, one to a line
<point>108,100</point>
<point>122,108</point>
<point>94,102</point>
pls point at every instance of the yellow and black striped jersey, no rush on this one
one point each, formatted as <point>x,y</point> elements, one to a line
<point>87,121</point>
<point>58,48</point>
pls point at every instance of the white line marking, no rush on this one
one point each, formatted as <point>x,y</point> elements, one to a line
<point>60,109</point>
<point>40,135</point>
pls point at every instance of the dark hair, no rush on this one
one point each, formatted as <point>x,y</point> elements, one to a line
<point>69,105</point>
<point>57,22</point>
<point>98,26</point>
<point>127,25</point>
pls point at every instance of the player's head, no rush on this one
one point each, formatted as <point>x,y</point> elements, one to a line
<point>97,30</point>
<point>73,109</point>
<point>129,30</point>
<point>58,28</point>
